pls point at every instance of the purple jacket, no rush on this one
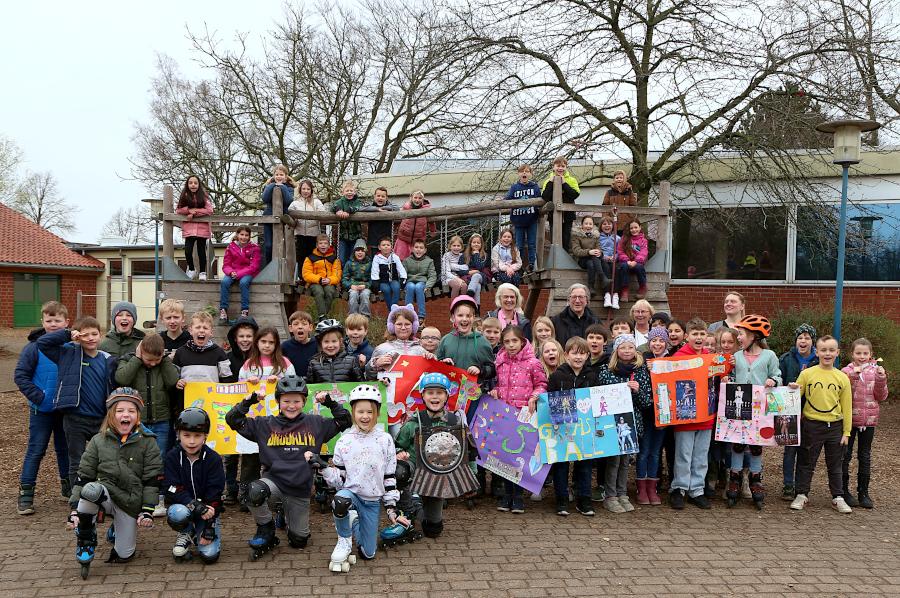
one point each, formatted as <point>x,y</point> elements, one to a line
<point>243,261</point>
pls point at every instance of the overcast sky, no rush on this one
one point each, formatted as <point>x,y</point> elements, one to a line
<point>76,77</point>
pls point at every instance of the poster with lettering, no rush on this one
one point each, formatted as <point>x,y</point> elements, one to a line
<point>507,442</point>
<point>681,390</point>
<point>586,423</point>
<point>756,415</point>
<point>405,396</point>
<point>218,399</point>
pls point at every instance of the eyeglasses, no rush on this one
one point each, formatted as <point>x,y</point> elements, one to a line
<point>431,338</point>
<point>577,297</point>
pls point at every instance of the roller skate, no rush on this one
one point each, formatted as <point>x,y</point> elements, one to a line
<point>341,557</point>
<point>264,540</point>
<point>734,488</point>
<point>182,549</point>
<point>399,533</point>
<point>757,492</point>
<point>86,544</point>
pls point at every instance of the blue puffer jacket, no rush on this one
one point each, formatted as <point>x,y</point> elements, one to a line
<point>287,196</point>
<point>36,375</point>
<point>68,357</point>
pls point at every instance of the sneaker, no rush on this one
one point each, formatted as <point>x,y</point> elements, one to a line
<point>615,301</point>
<point>700,501</point>
<point>223,316</point>
<point>182,545</point>
<point>799,502</point>
<point>517,506</point>
<point>562,507</point>
<point>850,500</point>
<point>840,505</point>
<point>537,496</point>
<point>503,504</point>
<point>709,491</point>
<point>202,276</point>
<point>626,504</point>
<point>245,312</point>
<point>865,501</point>
<point>598,495</point>
<point>612,505</point>
<point>160,509</point>
<point>191,274</point>
<point>787,492</point>
<point>607,300</point>
<point>583,506</point>
<point>676,499</point>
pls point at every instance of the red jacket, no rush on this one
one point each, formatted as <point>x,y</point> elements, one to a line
<point>415,228</point>
<point>687,350</point>
<point>519,376</point>
<point>196,228</point>
<point>869,389</point>
<point>243,261</point>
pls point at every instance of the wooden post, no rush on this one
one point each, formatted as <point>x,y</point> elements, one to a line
<point>556,235</point>
<point>290,250</point>
<point>79,303</point>
<point>277,229</point>
<point>541,234</point>
<point>109,301</point>
<point>168,208</point>
<point>130,288</point>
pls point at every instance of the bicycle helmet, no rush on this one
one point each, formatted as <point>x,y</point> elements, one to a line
<point>125,393</point>
<point>193,419</point>
<point>365,392</point>
<point>328,325</point>
<point>434,380</point>
<point>461,300</point>
<point>290,384</point>
<point>755,323</point>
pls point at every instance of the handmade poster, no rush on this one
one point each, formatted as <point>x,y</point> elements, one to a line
<point>756,415</point>
<point>218,399</point>
<point>681,390</point>
<point>406,398</point>
<point>603,424</point>
<point>507,443</point>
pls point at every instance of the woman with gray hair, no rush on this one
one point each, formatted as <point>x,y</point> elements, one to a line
<point>509,308</point>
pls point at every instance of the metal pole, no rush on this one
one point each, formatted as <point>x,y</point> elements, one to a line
<point>156,270</point>
<point>842,240</point>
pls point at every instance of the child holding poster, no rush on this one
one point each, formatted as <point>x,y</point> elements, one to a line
<point>520,380</point>
<point>753,364</point>
<point>801,356</point>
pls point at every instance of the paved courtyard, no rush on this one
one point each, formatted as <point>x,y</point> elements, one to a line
<point>650,552</point>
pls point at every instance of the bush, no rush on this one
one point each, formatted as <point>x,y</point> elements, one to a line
<point>884,334</point>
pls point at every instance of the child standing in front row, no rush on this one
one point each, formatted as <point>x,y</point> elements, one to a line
<point>826,422</point>
<point>869,382</point>
<point>801,356</point>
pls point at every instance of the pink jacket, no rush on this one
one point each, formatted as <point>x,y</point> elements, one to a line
<point>243,261</point>
<point>639,244</point>
<point>519,376</point>
<point>196,228</point>
<point>869,389</point>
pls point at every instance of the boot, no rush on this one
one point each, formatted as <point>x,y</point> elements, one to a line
<point>848,497</point>
<point>652,495</point>
<point>756,490</point>
<point>643,497</point>
<point>65,488</point>
<point>432,529</point>
<point>642,291</point>
<point>745,484</point>
<point>862,489</point>
<point>623,295</point>
<point>25,504</point>
<point>734,488</point>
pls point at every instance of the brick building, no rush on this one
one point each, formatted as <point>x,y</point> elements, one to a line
<point>36,266</point>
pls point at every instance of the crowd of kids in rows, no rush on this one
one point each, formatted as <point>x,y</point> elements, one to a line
<point>389,258</point>
<point>112,403</point>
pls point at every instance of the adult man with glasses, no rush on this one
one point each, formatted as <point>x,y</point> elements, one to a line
<point>575,318</point>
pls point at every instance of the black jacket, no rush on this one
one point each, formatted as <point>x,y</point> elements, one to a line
<point>568,325</point>
<point>564,378</point>
<point>340,368</point>
<point>235,355</point>
<point>204,479</point>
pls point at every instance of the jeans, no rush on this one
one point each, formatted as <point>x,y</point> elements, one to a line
<point>40,427</point>
<point>358,302</point>
<point>415,293</point>
<point>365,528</point>
<point>814,436</point>
<point>391,292</point>
<point>581,477</point>
<point>79,430</point>
<point>616,476</point>
<point>789,465</point>
<point>324,296</point>
<point>126,525</point>
<point>526,239</point>
<point>691,461</point>
<point>863,454</point>
<point>623,272</point>
<point>296,510</point>
<point>225,291</point>
<point>594,267</point>
<point>651,446</point>
<point>739,454</point>
<point>189,243</point>
<point>162,430</point>
<point>345,249</point>
<point>511,490</point>
<point>179,514</point>
<point>474,287</point>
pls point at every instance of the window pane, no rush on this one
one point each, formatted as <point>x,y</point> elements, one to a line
<point>115,267</point>
<point>873,242</point>
<point>730,243</point>
<point>142,268</point>
<point>23,288</point>
<point>48,288</point>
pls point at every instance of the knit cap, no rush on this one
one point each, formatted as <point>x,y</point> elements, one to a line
<point>360,244</point>
<point>658,332</point>
<point>622,339</point>
<point>805,328</point>
<point>120,307</point>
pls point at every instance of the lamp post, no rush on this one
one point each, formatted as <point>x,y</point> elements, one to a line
<point>847,141</point>
<point>155,206</point>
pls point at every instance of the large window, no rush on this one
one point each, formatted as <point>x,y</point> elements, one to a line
<point>873,242</point>
<point>142,268</point>
<point>730,243</point>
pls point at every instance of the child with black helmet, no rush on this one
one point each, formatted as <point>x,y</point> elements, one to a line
<point>362,472</point>
<point>120,473</point>
<point>437,442</point>
<point>283,441</point>
<point>332,363</point>
<point>193,484</point>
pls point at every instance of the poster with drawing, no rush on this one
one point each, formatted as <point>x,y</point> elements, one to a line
<point>507,442</point>
<point>218,399</point>
<point>404,394</point>
<point>593,422</point>
<point>681,390</point>
<point>756,415</point>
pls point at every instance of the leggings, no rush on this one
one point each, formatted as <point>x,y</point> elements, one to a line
<point>189,243</point>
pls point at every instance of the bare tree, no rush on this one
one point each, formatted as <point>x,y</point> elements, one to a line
<point>10,159</point>
<point>133,224</point>
<point>37,198</point>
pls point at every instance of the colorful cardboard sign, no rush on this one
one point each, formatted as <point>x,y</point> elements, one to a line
<point>508,444</point>
<point>405,397</point>
<point>681,389</point>
<point>756,415</point>
<point>586,423</point>
<point>218,399</point>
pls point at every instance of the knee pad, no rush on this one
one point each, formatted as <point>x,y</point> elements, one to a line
<point>340,506</point>
<point>432,529</point>
<point>756,451</point>
<point>738,448</point>
<point>296,540</point>
<point>178,518</point>
<point>258,493</point>
<point>93,492</point>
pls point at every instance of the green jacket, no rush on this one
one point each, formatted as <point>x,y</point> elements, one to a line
<point>155,384</point>
<point>350,231</point>
<point>117,344</point>
<point>406,438</point>
<point>130,471</point>
<point>466,351</point>
<point>357,272</point>
<point>420,270</point>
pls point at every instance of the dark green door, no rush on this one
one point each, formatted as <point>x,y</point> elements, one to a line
<point>30,291</point>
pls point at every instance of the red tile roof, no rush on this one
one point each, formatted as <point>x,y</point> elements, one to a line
<point>26,243</point>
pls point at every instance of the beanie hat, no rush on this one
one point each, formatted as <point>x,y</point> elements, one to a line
<point>622,339</point>
<point>120,307</point>
<point>360,244</point>
<point>658,332</point>
<point>805,328</point>
<point>125,393</point>
<point>661,315</point>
